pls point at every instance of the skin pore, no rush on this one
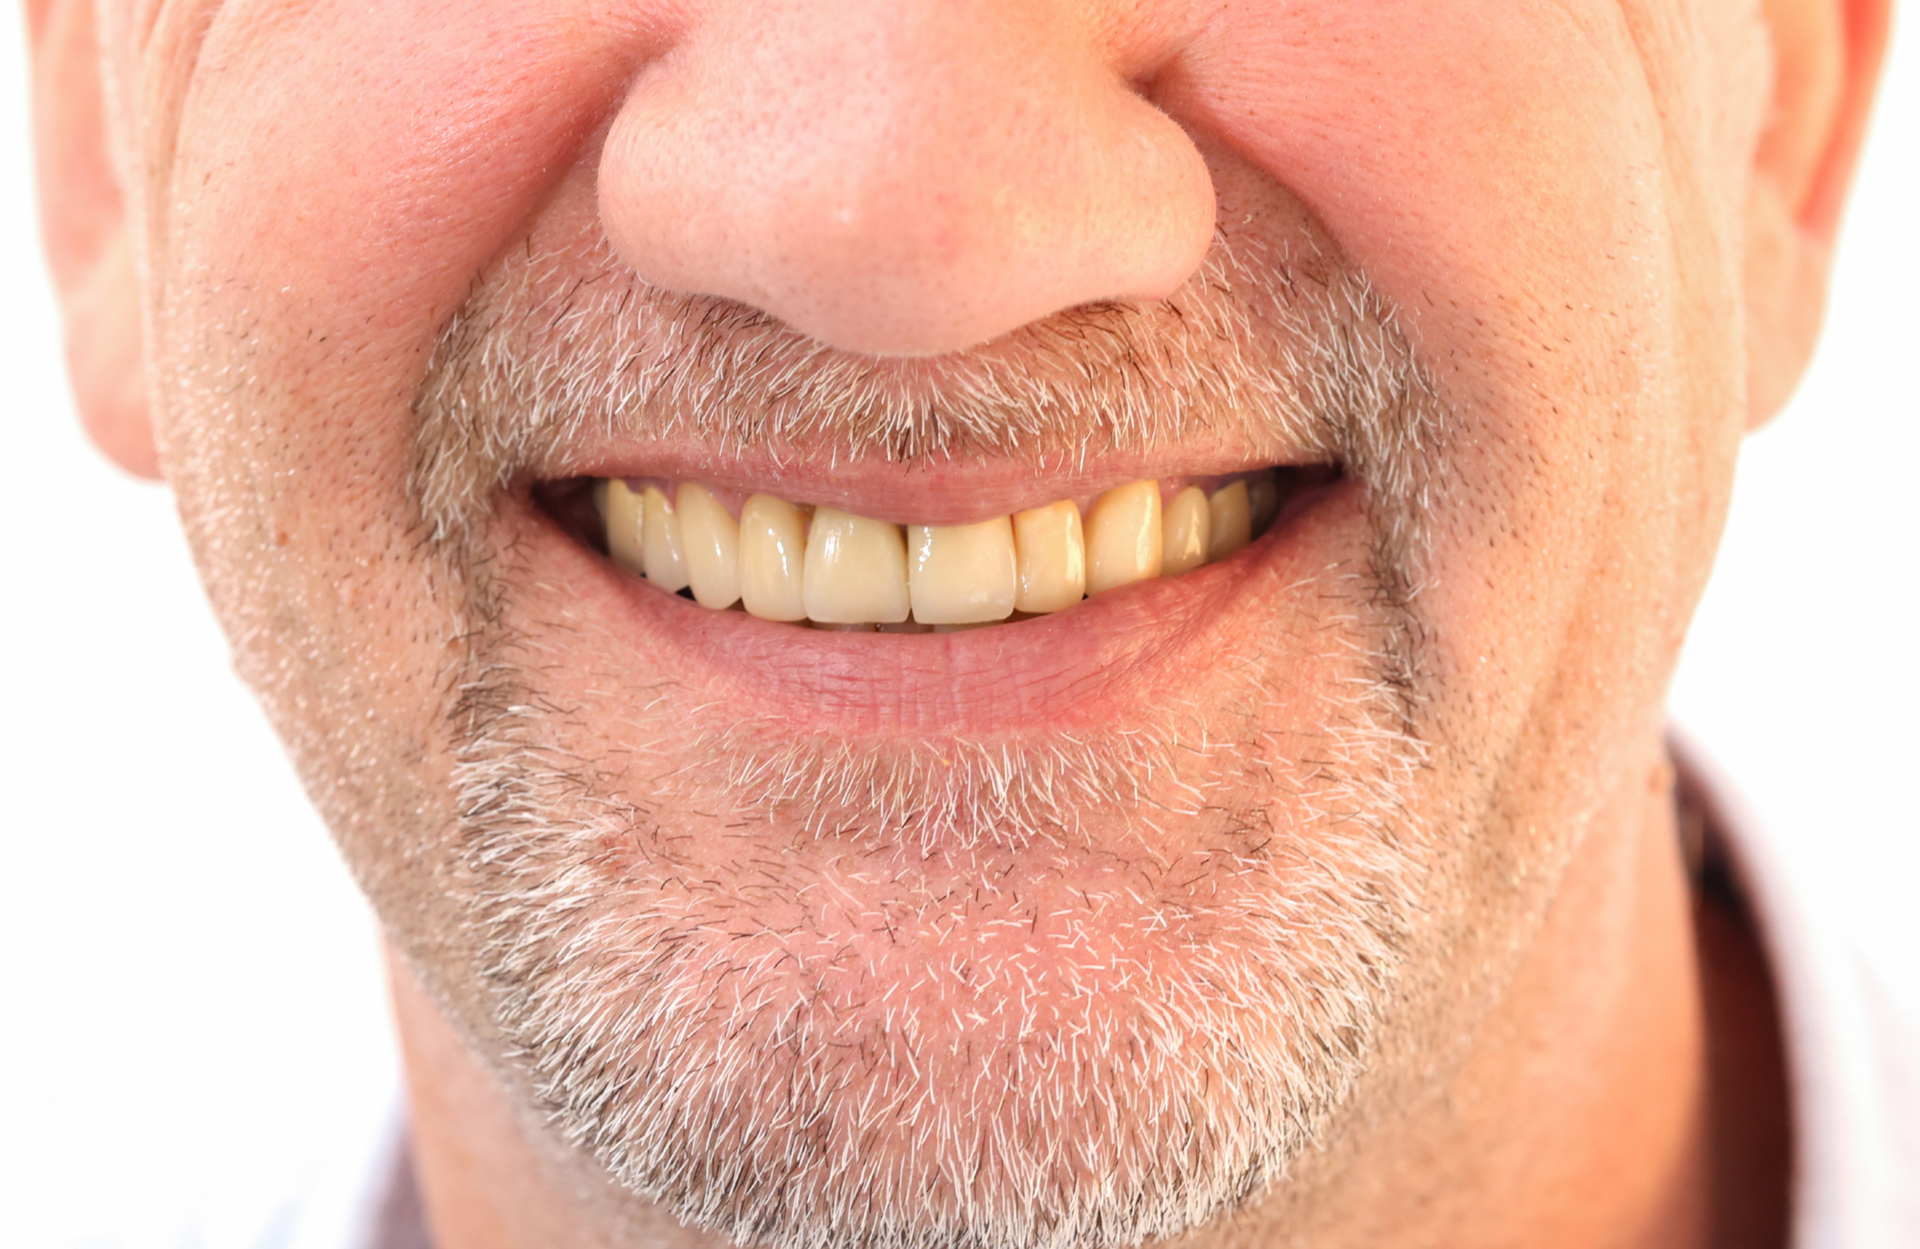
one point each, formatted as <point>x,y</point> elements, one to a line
<point>1328,895</point>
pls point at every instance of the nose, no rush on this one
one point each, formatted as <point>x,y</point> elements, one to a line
<point>902,177</point>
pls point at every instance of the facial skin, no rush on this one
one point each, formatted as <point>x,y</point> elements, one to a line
<point>1325,895</point>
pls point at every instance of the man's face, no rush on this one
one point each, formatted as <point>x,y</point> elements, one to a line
<point>1087,924</point>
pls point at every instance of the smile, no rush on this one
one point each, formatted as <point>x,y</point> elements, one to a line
<point>831,568</point>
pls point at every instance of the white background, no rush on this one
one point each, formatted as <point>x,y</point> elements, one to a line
<point>191,984</point>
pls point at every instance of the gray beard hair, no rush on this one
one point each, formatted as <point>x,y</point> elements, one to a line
<point>1098,1084</point>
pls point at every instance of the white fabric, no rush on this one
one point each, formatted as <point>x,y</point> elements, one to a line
<point>279,1195</point>
<point>1853,1043</point>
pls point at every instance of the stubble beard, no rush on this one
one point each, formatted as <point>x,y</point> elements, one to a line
<point>1087,990</point>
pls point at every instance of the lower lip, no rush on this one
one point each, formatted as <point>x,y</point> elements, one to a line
<point>1073,668</point>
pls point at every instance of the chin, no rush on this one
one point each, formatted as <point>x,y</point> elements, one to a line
<point>1089,975</point>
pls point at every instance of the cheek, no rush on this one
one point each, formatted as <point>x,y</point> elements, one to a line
<point>338,176</point>
<point>1510,178</point>
<point>1476,159</point>
<point>367,163</point>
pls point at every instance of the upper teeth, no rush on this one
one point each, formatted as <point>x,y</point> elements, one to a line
<point>782,561</point>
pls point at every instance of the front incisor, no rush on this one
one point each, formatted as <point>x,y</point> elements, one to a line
<point>625,527</point>
<point>773,538</point>
<point>961,574</point>
<point>666,562</point>
<point>856,570</point>
<point>1123,537</point>
<point>1187,525</point>
<point>710,538</point>
<point>1051,552</point>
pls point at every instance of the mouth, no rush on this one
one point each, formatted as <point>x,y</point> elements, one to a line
<point>849,623</point>
<point>822,566</point>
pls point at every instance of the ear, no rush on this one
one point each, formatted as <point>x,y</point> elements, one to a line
<point>1827,57</point>
<point>89,241</point>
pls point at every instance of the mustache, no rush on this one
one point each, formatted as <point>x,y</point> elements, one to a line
<point>1278,351</point>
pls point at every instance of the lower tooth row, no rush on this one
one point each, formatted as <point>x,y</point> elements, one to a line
<point>781,561</point>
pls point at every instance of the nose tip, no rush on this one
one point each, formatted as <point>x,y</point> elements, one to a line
<point>900,178</point>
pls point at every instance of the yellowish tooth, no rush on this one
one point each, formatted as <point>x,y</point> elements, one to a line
<point>1263,501</point>
<point>773,546</point>
<point>710,537</point>
<point>1187,526</point>
<point>623,516</point>
<point>1123,536</point>
<point>666,561</point>
<point>1232,520</point>
<point>1052,556</point>
<point>961,574</point>
<point>856,570</point>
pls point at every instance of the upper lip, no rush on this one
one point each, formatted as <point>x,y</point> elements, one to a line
<point>936,491</point>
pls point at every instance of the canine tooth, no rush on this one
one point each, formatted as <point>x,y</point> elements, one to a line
<point>961,574</point>
<point>856,570</point>
<point>666,561</point>
<point>623,516</point>
<point>1263,502</point>
<point>773,544</point>
<point>1052,554</point>
<point>1232,520</point>
<point>1187,525</point>
<point>1123,536</point>
<point>710,537</point>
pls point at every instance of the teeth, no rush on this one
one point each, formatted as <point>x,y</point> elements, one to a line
<point>962,574</point>
<point>711,539</point>
<point>623,514</point>
<point>1263,503</point>
<point>1186,527</point>
<point>787,562</point>
<point>1232,521</point>
<point>666,563</point>
<point>773,546</point>
<point>1052,557</point>
<point>856,570</point>
<point>1123,537</point>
